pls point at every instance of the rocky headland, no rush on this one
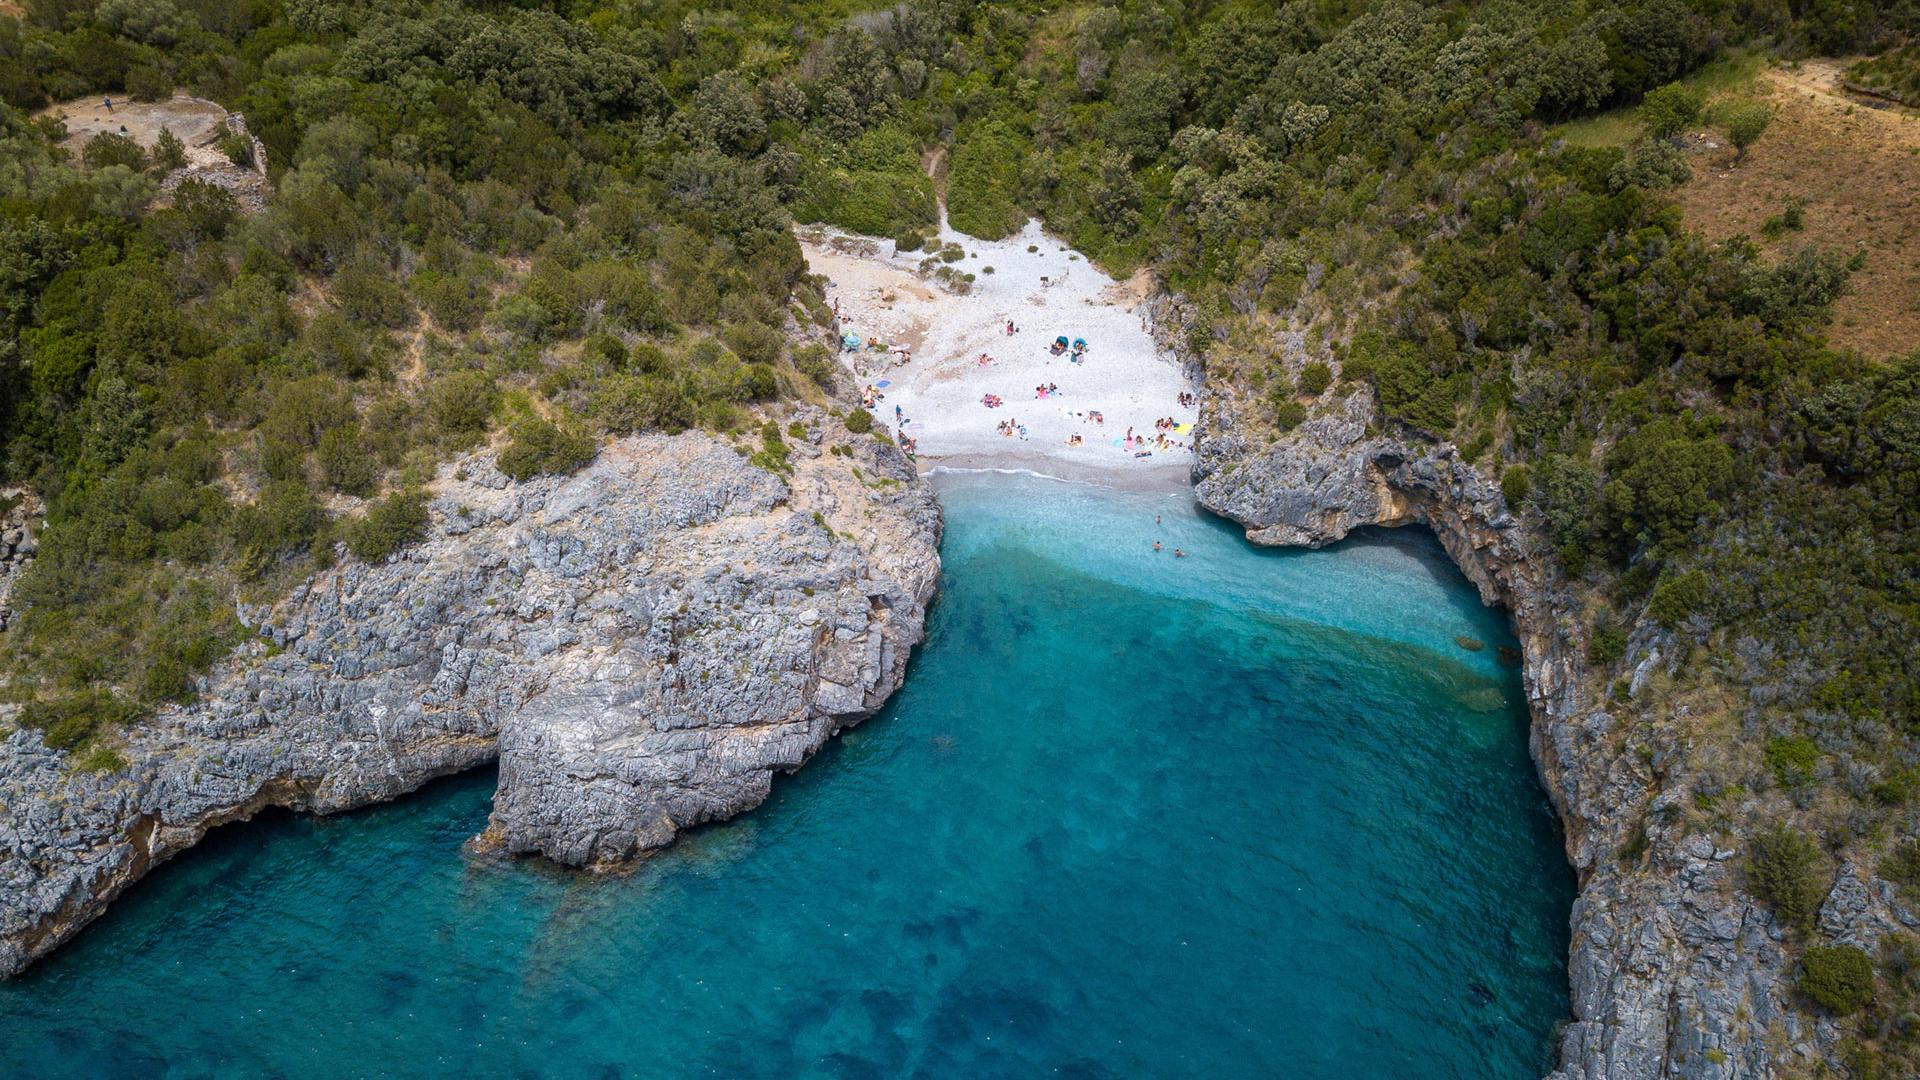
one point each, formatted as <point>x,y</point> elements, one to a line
<point>640,645</point>
<point>1675,970</point>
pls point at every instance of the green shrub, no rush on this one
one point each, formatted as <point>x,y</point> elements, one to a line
<point>461,405</point>
<point>1515,483</point>
<point>238,148</point>
<point>282,520</point>
<point>1745,124</point>
<point>1665,478</point>
<point>345,462</point>
<point>1838,978</point>
<point>1902,867</point>
<point>109,148</point>
<point>389,525</point>
<point>817,364</point>
<point>101,759</point>
<point>456,302</point>
<point>1784,871</point>
<point>543,448</point>
<point>1288,413</point>
<point>149,83</point>
<point>72,720</point>
<point>773,454</point>
<point>607,351</point>
<point>624,404</point>
<point>1677,597</point>
<point>1792,759</point>
<point>367,296</point>
<point>1315,378</point>
<point>859,421</point>
<point>1667,111</point>
<point>983,180</point>
<point>169,153</point>
<point>1607,644</point>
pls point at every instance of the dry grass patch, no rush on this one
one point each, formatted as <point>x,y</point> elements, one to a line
<point>1855,169</point>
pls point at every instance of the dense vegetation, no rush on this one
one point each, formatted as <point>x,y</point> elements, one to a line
<point>536,224</point>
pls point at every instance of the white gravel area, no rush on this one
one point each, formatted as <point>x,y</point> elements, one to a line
<point>1047,292</point>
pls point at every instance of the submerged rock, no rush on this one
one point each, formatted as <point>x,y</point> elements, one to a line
<point>641,645</point>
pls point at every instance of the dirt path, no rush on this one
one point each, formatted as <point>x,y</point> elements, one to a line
<point>1822,83</point>
<point>934,163</point>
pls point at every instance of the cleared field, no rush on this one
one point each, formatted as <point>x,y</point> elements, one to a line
<point>1855,170</point>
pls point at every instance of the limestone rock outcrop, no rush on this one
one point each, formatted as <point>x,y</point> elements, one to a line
<point>641,645</point>
<point>1674,970</point>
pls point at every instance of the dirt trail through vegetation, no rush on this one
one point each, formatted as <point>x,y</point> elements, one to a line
<point>1854,169</point>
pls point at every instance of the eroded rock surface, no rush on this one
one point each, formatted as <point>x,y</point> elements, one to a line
<point>642,645</point>
<point>1674,970</point>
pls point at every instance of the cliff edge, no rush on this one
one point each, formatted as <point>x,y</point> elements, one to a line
<point>641,645</point>
<point>1675,971</point>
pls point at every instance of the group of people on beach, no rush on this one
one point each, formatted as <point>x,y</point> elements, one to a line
<point>1138,443</point>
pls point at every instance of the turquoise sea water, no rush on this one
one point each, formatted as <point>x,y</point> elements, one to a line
<point>1244,814</point>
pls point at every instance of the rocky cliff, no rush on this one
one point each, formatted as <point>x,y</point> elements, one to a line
<point>1674,970</point>
<point>642,645</point>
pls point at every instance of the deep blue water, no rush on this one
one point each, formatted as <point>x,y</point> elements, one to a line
<point>1244,814</point>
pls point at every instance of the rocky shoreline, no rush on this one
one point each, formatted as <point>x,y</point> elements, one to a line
<point>641,645</point>
<point>1675,971</point>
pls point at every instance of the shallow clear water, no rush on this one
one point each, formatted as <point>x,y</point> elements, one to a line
<point>1249,813</point>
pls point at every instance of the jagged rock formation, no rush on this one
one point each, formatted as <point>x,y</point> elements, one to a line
<point>1674,970</point>
<point>641,644</point>
<point>19,526</point>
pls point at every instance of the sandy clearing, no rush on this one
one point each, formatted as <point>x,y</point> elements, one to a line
<point>881,296</point>
<point>196,121</point>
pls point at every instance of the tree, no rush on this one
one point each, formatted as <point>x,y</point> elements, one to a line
<point>1663,479</point>
<point>169,153</point>
<point>1782,870</point>
<point>1666,112</point>
<point>1745,124</point>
